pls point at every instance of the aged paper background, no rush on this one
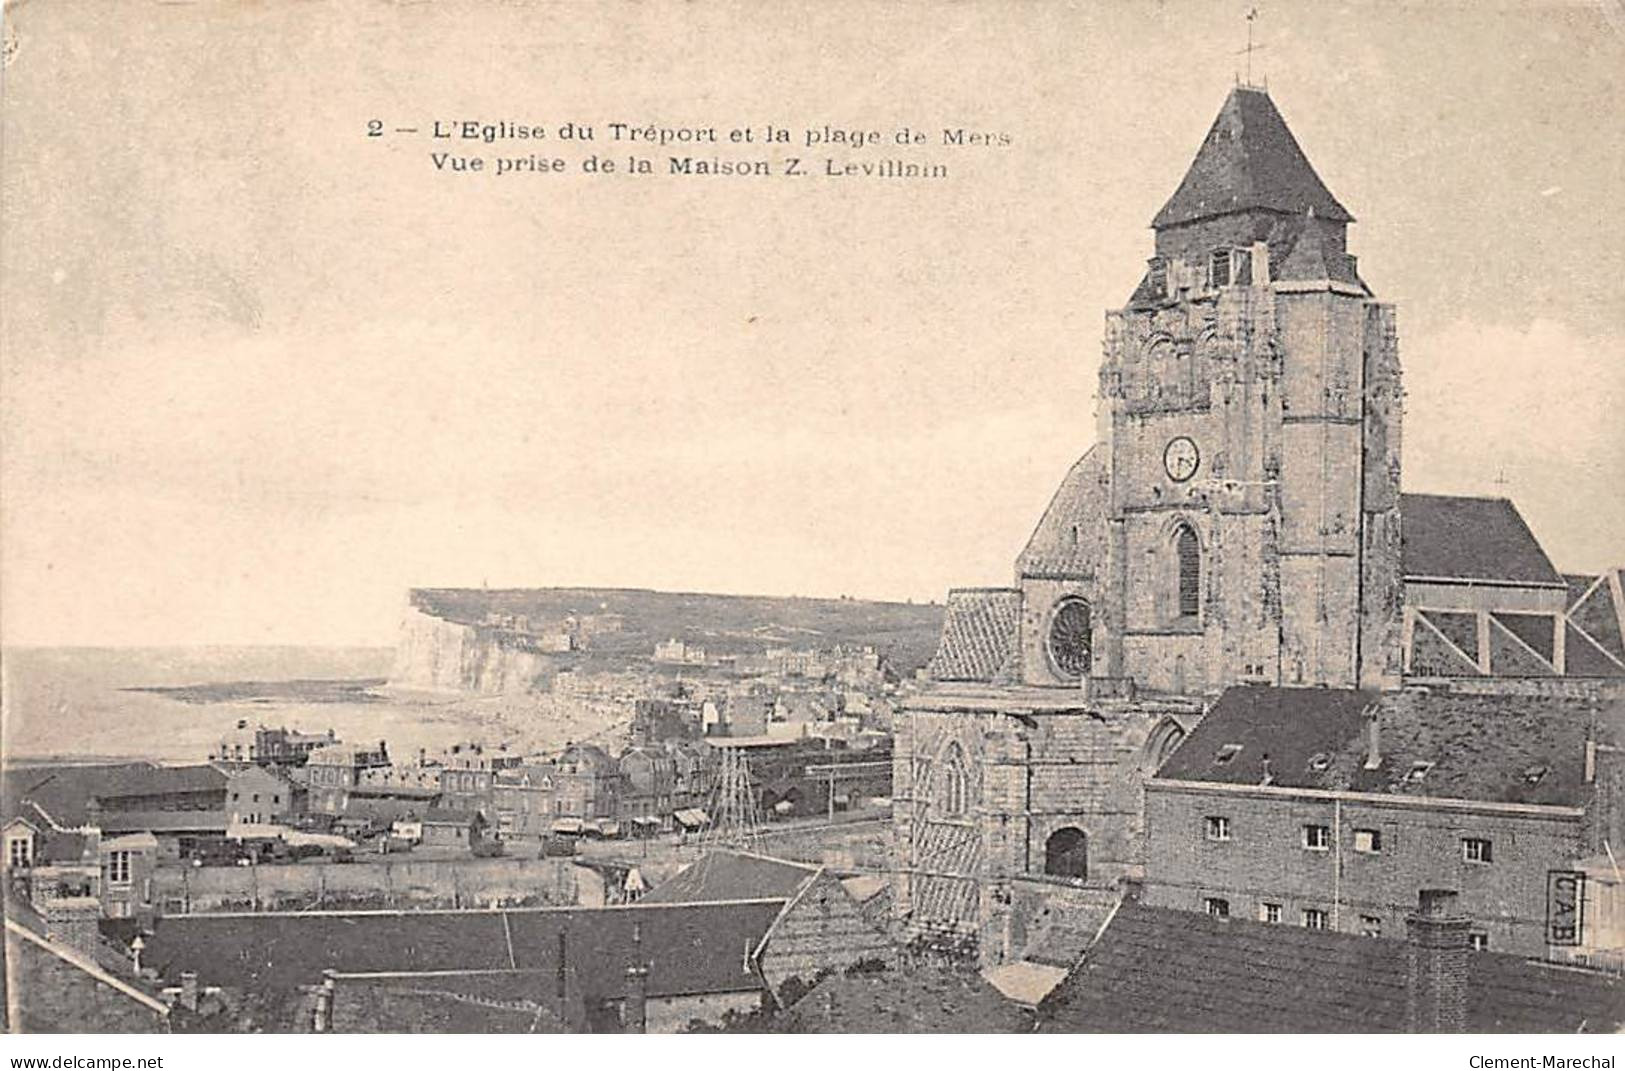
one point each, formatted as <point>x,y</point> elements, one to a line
<point>262,373</point>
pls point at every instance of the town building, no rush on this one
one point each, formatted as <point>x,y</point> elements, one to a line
<point>578,788</point>
<point>55,983</point>
<point>332,772</point>
<point>1328,808</point>
<point>262,795</point>
<point>469,773</point>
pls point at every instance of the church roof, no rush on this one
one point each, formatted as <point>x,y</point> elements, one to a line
<point>1457,538</point>
<point>1068,539</point>
<point>1249,160</point>
<point>979,635</point>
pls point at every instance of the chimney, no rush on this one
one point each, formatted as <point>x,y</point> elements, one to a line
<point>1438,955</point>
<point>189,990</point>
<point>1373,739</point>
<point>324,1004</point>
<point>72,921</point>
<point>635,1017</point>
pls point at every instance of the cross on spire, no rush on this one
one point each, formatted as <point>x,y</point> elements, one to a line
<point>1251,17</point>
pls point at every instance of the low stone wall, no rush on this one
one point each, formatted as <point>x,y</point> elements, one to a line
<point>383,884</point>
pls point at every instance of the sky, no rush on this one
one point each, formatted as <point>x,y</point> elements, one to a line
<point>260,374</point>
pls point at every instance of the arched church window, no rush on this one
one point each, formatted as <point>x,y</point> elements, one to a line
<point>953,789</point>
<point>1188,553</point>
<point>1066,854</point>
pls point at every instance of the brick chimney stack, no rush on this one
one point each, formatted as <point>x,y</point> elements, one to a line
<point>636,1018</point>
<point>189,990</point>
<point>73,921</point>
<point>1373,740</point>
<point>1438,953</point>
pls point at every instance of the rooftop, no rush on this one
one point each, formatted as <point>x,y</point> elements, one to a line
<point>694,948</point>
<point>1249,161</point>
<point>1161,970</point>
<point>1526,749</point>
<point>732,875</point>
<point>1459,538</point>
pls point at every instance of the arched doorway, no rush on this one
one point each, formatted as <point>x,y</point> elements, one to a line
<point>1066,853</point>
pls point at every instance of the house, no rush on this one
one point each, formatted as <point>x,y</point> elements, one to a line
<point>127,863</point>
<point>648,783</point>
<point>821,929</point>
<point>53,982</point>
<point>333,771</point>
<point>580,785</point>
<point>1327,808</point>
<point>450,828</point>
<point>262,795</point>
<point>1160,970</point>
<point>656,968</point>
<point>468,776</point>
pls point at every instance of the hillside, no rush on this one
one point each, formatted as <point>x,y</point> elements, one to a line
<point>628,622</point>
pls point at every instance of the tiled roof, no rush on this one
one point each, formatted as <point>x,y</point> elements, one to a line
<point>493,1002</point>
<point>979,636</point>
<point>63,791</point>
<point>917,999</point>
<point>162,821</point>
<point>1459,538</point>
<point>1070,537</point>
<point>1497,748</point>
<point>730,875</point>
<point>693,948</point>
<point>1161,970</point>
<point>1249,160</point>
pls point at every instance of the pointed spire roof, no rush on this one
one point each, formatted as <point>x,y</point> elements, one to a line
<point>1250,160</point>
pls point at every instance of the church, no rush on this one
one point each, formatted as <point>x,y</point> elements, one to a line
<point>1239,520</point>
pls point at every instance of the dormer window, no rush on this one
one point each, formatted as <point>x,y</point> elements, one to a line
<point>1226,754</point>
<point>1419,771</point>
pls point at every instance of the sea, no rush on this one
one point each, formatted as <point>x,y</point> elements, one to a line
<point>81,704</point>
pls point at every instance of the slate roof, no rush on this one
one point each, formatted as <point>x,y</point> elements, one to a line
<point>64,791</point>
<point>1461,538</point>
<point>1495,748</point>
<point>1069,538</point>
<point>1249,160</point>
<point>494,1002</point>
<point>163,821</point>
<point>980,630</point>
<point>733,875</point>
<point>694,948</point>
<point>1162,970</point>
<point>917,999</point>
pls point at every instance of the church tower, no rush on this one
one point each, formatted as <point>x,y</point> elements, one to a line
<point>1239,518</point>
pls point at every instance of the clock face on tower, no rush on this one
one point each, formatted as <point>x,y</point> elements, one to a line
<point>1180,459</point>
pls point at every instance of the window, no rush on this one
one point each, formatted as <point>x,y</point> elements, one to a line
<point>1158,277</point>
<point>1476,850</point>
<point>1188,552</point>
<point>1269,913</point>
<point>1478,941</point>
<point>1317,838</point>
<point>118,868</point>
<point>952,795</point>
<point>20,851</point>
<point>1226,753</point>
<point>276,799</point>
<point>1314,918</point>
<point>1219,267</point>
<point>256,797</point>
<point>1219,909</point>
<point>234,797</point>
<point>1368,841</point>
<point>1419,771</point>
<point>1218,828</point>
<point>1370,926</point>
